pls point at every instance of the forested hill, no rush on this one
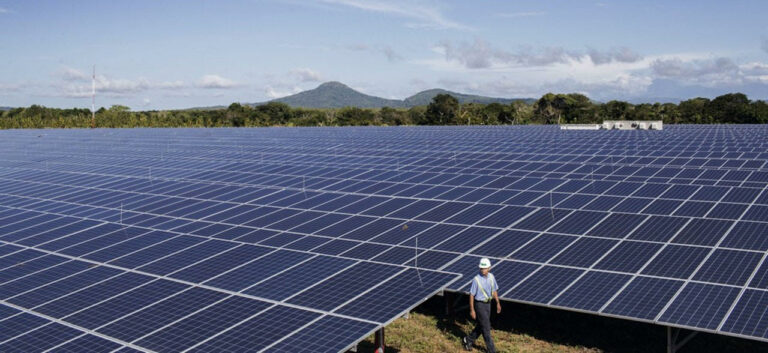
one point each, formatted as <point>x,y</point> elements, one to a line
<point>442,109</point>
<point>338,95</point>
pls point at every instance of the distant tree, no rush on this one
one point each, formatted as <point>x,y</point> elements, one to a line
<point>732,107</point>
<point>616,110</point>
<point>443,110</point>
<point>276,112</point>
<point>693,111</point>
<point>236,115</point>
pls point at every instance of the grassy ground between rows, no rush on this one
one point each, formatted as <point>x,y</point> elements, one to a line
<point>529,329</point>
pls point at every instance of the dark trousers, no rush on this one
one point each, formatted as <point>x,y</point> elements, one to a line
<point>483,312</point>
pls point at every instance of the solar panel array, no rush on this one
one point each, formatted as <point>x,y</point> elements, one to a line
<point>188,239</point>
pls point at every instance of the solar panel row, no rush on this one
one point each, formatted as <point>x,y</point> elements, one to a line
<point>664,226</point>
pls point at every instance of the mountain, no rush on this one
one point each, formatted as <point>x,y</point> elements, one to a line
<point>337,95</point>
<point>425,97</point>
<point>2,109</point>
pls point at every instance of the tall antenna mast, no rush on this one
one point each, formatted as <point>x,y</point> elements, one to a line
<point>93,98</point>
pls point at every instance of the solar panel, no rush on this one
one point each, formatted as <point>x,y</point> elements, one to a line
<point>120,240</point>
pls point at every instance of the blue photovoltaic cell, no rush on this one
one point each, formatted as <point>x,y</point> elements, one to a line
<point>658,228</point>
<point>643,298</point>
<point>750,315</point>
<point>592,291</point>
<point>365,251</point>
<point>69,304</point>
<point>543,247</point>
<point>412,285</point>
<point>473,214</point>
<point>373,229</point>
<point>257,270</point>
<point>335,247</point>
<point>117,307</point>
<point>260,331</point>
<point>128,246</point>
<point>747,235</point>
<point>694,209</point>
<point>504,243</point>
<point>584,252</point>
<point>434,235</point>
<point>201,325</point>
<point>631,205</point>
<point>161,314</point>
<point>542,219</point>
<point>617,225</point>
<point>506,216</point>
<point>221,263</point>
<point>700,305</point>
<point>727,211</point>
<point>701,231</point>
<point>7,311</point>
<point>432,260</point>
<point>87,343</point>
<point>29,267</point>
<point>293,280</point>
<point>761,277</point>
<point>41,278</point>
<point>756,213</point>
<point>187,257</point>
<point>578,222</point>
<point>544,284</point>
<point>155,252</point>
<point>325,295</point>
<point>677,261</point>
<point>63,287</point>
<point>19,324</point>
<point>41,339</point>
<point>331,332</point>
<point>728,267</point>
<point>467,239</point>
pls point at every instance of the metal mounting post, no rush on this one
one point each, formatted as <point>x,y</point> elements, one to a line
<point>672,344</point>
<point>379,341</point>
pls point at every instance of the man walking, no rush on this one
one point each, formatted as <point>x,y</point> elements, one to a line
<point>484,288</point>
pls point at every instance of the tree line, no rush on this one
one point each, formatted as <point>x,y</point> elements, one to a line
<point>732,108</point>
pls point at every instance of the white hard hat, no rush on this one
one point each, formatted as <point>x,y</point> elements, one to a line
<point>485,263</point>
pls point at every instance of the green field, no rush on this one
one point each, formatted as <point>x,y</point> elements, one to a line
<point>526,328</point>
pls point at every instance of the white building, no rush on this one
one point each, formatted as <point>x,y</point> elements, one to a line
<point>632,125</point>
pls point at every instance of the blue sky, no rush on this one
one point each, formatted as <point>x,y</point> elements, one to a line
<point>178,54</point>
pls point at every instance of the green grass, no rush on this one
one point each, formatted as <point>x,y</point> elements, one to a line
<point>529,329</point>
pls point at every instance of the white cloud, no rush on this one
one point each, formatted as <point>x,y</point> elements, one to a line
<point>480,54</point>
<point>271,93</point>
<point>216,81</point>
<point>146,102</point>
<point>171,84</point>
<point>5,11</point>
<point>306,75</point>
<point>428,15</point>
<point>707,72</point>
<point>70,74</point>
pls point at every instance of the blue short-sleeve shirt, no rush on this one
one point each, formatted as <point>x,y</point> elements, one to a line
<point>487,283</point>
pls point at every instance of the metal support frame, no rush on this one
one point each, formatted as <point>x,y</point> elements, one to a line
<point>379,341</point>
<point>449,299</point>
<point>672,344</point>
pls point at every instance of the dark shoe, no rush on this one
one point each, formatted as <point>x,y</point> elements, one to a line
<point>466,344</point>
